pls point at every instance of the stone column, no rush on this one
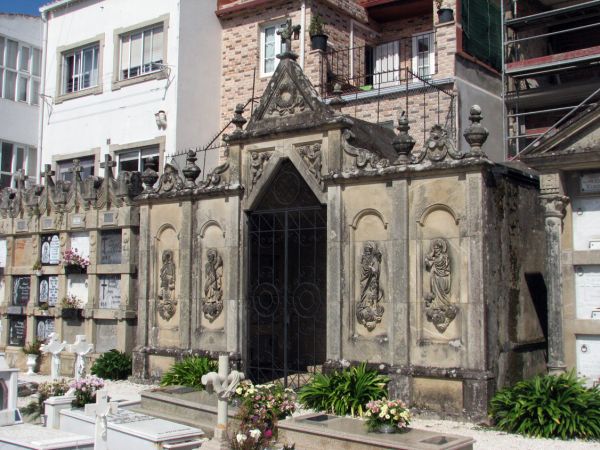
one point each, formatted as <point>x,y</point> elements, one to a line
<point>554,211</point>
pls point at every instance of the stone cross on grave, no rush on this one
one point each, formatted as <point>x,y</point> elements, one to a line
<point>21,178</point>
<point>81,348</point>
<point>107,165</point>
<point>48,173</point>
<point>76,170</point>
<point>102,408</point>
<point>224,384</point>
<point>54,347</point>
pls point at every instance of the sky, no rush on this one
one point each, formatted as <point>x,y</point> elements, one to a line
<point>22,6</point>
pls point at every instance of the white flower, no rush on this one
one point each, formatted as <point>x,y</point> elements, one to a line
<point>255,434</point>
<point>241,438</point>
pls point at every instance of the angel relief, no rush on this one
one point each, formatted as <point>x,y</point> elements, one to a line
<point>212,304</point>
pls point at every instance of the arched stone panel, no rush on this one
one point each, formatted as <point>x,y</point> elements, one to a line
<point>167,276</point>
<point>214,269</point>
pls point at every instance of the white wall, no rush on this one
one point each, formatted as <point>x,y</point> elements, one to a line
<point>19,120</point>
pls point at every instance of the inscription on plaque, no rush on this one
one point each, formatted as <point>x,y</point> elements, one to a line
<point>16,331</point>
<point>590,182</point>
<point>587,291</point>
<point>77,221</point>
<point>2,252</point>
<point>21,289</point>
<point>106,337</point>
<point>48,290</point>
<point>588,359</point>
<point>110,247</point>
<point>108,218</point>
<point>586,217</point>
<point>80,242</point>
<point>22,225</point>
<point>110,291</point>
<point>47,223</point>
<point>44,328</point>
<point>50,249</point>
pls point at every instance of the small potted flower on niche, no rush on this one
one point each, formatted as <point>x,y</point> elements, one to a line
<point>444,12</point>
<point>70,306</point>
<point>318,38</point>
<point>387,416</point>
<point>37,268</point>
<point>32,351</point>
<point>73,262</point>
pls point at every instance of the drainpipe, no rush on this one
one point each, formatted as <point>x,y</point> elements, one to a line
<point>42,101</point>
<point>303,32</point>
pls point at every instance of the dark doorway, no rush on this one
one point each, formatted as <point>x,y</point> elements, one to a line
<point>287,282</point>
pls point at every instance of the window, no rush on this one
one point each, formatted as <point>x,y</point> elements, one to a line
<point>80,69</point>
<point>137,160</point>
<point>270,47</point>
<point>14,157</point>
<point>423,54</point>
<point>141,52</point>
<point>65,168</point>
<point>19,71</point>
<point>386,61</point>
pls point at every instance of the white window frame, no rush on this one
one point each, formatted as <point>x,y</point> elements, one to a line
<point>29,160</point>
<point>22,76</point>
<point>143,152</point>
<point>263,28</point>
<point>151,69</point>
<point>64,166</point>
<point>386,64</point>
<point>78,69</point>
<point>415,58</point>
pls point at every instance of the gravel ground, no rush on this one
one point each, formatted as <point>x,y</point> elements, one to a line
<point>485,439</point>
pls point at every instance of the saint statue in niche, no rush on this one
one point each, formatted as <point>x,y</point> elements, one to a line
<point>438,307</point>
<point>369,311</point>
<point>167,303</point>
<point>213,286</point>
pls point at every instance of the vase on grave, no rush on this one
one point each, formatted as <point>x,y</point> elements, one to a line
<point>31,362</point>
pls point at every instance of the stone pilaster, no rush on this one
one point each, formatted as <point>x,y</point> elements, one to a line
<point>554,210</point>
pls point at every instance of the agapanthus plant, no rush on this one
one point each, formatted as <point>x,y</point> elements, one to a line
<point>387,412</point>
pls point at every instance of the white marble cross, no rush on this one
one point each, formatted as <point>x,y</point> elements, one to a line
<point>81,348</point>
<point>224,384</point>
<point>54,347</point>
<point>103,407</point>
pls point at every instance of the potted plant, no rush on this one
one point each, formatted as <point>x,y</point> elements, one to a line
<point>32,351</point>
<point>318,38</point>
<point>444,12</point>
<point>73,262</point>
<point>37,268</point>
<point>70,306</point>
<point>387,416</point>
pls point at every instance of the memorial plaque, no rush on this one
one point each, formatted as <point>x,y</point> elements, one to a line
<point>52,290</point>
<point>43,291</point>
<point>590,182</point>
<point>47,223</point>
<point>77,221</point>
<point>110,291</point>
<point>588,359</point>
<point>16,331</point>
<point>23,253</point>
<point>106,336</point>
<point>80,242</point>
<point>22,226</point>
<point>108,218</point>
<point>587,291</point>
<point>586,217</point>
<point>44,327</point>
<point>3,252</point>
<point>110,247</point>
<point>50,249</point>
<point>77,285</point>
<point>21,289</point>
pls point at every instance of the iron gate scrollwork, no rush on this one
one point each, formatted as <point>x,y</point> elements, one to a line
<point>286,292</point>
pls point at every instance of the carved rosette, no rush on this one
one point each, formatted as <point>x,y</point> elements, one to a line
<point>287,100</point>
<point>369,310</point>
<point>212,303</point>
<point>439,309</point>
<point>312,157</point>
<point>167,303</point>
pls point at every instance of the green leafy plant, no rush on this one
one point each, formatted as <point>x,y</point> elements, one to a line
<point>33,348</point>
<point>113,365</point>
<point>550,407</point>
<point>316,26</point>
<point>345,392</point>
<point>45,390</point>
<point>188,372</point>
<point>37,265</point>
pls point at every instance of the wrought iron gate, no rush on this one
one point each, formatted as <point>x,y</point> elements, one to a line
<point>287,302</point>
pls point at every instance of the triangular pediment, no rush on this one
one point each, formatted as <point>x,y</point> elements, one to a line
<point>289,101</point>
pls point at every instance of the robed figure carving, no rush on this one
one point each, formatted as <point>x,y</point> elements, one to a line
<point>213,285</point>
<point>369,311</point>
<point>438,307</point>
<point>167,303</point>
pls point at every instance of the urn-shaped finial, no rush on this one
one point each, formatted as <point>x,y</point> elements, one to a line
<point>149,176</point>
<point>238,119</point>
<point>191,171</point>
<point>403,142</point>
<point>476,134</point>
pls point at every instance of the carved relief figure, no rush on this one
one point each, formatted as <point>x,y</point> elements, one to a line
<point>257,162</point>
<point>311,154</point>
<point>438,307</point>
<point>212,304</point>
<point>369,311</point>
<point>167,303</point>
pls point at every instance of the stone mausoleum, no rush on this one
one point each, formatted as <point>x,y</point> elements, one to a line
<point>319,242</point>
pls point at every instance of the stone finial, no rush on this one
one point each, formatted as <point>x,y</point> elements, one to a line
<point>403,143</point>
<point>149,176</point>
<point>238,119</point>
<point>108,165</point>
<point>337,101</point>
<point>287,32</point>
<point>191,171</point>
<point>476,134</point>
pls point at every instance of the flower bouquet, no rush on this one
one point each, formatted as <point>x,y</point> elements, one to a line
<point>73,262</point>
<point>85,390</point>
<point>387,416</point>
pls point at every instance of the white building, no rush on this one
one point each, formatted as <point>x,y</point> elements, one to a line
<point>113,68</point>
<point>20,70</point>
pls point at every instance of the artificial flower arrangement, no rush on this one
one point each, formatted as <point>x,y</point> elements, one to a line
<point>387,414</point>
<point>74,259</point>
<point>85,390</point>
<point>70,301</point>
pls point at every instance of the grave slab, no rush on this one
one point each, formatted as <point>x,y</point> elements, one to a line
<point>34,437</point>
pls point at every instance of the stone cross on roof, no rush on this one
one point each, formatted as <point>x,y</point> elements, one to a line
<point>107,165</point>
<point>48,173</point>
<point>20,177</point>
<point>76,170</point>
